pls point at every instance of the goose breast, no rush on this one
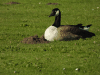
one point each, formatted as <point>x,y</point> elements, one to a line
<point>51,33</point>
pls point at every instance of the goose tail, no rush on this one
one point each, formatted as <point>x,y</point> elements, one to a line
<point>85,27</point>
<point>88,35</point>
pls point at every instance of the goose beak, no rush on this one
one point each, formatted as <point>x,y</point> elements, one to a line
<point>49,16</point>
<point>52,14</point>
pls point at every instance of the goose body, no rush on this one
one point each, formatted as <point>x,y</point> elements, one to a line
<point>65,32</point>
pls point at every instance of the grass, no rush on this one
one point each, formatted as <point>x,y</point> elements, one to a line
<point>56,58</point>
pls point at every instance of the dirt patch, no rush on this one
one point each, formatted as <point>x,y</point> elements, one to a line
<point>12,3</point>
<point>52,4</point>
<point>34,40</point>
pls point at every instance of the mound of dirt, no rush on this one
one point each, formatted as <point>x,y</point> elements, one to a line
<point>34,40</point>
<point>12,3</point>
<point>52,3</point>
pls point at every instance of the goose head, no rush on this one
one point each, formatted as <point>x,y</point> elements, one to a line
<point>56,12</point>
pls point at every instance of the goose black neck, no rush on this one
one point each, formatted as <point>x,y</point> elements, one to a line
<point>57,20</point>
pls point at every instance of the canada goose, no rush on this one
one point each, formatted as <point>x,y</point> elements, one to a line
<point>65,32</point>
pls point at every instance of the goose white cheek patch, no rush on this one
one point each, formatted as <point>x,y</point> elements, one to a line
<point>57,13</point>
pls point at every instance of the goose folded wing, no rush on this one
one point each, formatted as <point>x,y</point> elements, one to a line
<point>76,31</point>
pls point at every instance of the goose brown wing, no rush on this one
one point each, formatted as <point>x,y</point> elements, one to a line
<point>75,30</point>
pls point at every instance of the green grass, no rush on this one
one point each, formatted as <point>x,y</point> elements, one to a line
<point>56,58</point>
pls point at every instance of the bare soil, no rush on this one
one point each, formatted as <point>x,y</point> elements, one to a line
<point>52,4</point>
<point>10,3</point>
<point>34,40</point>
